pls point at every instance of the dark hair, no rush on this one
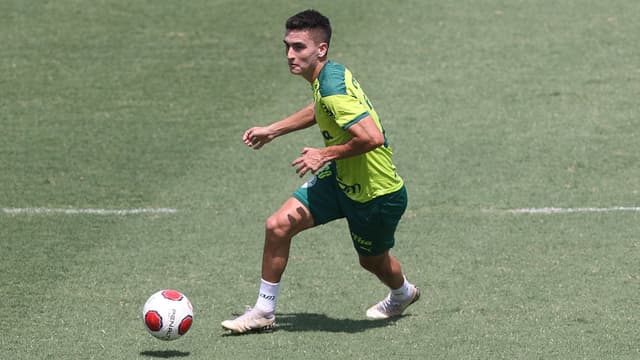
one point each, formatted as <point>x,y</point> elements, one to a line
<point>311,20</point>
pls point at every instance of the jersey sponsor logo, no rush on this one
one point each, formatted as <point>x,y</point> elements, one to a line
<point>327,111</point>
<point>350,189</point>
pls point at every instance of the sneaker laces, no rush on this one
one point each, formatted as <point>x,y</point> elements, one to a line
<point>388,305</point>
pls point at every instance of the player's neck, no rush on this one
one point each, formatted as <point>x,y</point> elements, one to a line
<point>313,75</point>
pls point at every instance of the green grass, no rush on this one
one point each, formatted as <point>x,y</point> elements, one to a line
<point>490,105</point>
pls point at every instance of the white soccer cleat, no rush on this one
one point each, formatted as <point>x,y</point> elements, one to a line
<point>251,321</point>
<point>388,308</point>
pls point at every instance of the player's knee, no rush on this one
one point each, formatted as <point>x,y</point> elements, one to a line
<point>277,226</point>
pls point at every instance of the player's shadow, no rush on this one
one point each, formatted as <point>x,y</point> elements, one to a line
<point>296,322</point>
<point>165,354</point>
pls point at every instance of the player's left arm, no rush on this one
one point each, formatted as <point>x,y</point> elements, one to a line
<point>366,136</point>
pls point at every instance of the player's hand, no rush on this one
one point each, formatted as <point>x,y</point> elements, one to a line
<point>257,137</point>
<point>311,160</point>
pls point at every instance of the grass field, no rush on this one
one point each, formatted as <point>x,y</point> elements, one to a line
<point>490,106</point>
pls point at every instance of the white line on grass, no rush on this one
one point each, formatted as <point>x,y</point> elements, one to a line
<point>52,211</point>
<point>555,210</point>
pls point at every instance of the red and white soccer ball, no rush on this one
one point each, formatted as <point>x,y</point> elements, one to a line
<point>167,314</point>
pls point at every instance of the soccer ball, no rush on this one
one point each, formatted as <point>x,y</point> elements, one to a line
<point>167,314</point>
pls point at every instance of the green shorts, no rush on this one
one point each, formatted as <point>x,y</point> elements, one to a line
<point>372,224</point>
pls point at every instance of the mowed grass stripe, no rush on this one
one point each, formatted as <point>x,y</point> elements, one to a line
<point>71,211</point>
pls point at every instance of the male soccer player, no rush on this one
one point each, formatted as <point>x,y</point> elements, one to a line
<point>354,177</point>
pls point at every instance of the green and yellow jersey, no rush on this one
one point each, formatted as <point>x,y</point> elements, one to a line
<point>340,103</point>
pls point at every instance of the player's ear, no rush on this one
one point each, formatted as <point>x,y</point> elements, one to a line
<point>323,48</point>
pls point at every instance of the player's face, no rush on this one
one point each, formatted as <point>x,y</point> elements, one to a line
<point>304,53</point>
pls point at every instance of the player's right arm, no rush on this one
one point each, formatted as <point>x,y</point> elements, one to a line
<point>258,136</point>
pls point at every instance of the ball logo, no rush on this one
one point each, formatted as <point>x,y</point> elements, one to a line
<point>172,295</point>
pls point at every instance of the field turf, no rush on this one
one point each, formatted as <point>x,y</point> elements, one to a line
<point>491,106</point>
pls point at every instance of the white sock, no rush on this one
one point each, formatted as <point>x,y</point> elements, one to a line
<point>403,292</point>
<point>267,297</point>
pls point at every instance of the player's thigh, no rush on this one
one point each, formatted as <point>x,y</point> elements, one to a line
<point>292,217</point>
<point>320,195</point>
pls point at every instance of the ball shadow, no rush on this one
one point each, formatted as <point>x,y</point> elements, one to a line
<point>165,354</point>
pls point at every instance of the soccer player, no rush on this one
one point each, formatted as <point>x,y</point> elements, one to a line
<point>354,177</point>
